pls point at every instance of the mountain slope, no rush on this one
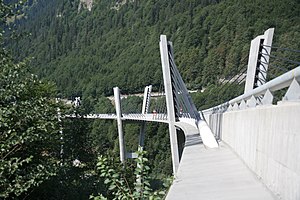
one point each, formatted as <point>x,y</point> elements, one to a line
<point>89,52</point>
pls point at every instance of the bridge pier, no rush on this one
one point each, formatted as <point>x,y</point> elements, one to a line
<point>119,122</point>
<point>169,101</point>
<point>145,108</point>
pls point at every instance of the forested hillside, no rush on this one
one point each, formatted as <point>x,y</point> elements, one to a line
<point>87,53</point>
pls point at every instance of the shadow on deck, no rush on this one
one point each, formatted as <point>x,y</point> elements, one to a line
<point>217,174</point>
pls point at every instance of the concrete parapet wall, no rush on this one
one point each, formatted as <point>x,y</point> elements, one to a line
<point>267,139</point>
<point>215,123</point>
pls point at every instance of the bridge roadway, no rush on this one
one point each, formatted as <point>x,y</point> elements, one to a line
<point>213,174</point>
<point>208,174</point>
<point>162,118</point>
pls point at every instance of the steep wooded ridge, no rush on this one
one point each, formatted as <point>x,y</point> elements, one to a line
<point>89,52</point>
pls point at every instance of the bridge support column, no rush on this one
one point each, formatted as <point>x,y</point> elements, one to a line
<point>145,108</point>
<point>169,101</point>
<point>119,122</point>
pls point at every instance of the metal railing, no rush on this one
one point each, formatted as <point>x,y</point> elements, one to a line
<point>275,84</point>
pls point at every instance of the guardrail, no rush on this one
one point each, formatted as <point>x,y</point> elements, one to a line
<point>262,95</point>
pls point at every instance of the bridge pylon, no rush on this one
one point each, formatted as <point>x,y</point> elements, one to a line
<point>169,101</point>
<point>180,106</point>
<point>260,49</point>
<point>145,108</point>
<point>120,126</point>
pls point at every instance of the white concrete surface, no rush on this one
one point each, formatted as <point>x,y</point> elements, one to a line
<point>206,134</point>
<point>213,174</point>
<point>267,138</point>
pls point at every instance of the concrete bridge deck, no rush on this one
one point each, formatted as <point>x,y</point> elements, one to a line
<point>214,174</point>
<point>159,117</point>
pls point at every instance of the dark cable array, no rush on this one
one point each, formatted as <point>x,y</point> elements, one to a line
<point>234,80</point>
<point>128,107</point>
<point>182,100</point>
<point>226,84</point>
<point>160,109</point>
<point>278,64</point>
<point>235,77</point>
<point>282,49</point>
<point>281,58</point>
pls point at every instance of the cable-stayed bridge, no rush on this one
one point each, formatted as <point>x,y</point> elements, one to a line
<point>244,148</point>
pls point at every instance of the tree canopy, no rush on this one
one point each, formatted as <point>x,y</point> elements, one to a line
<point>29,140</point>
<point>90,52</point>
<point>87,53</point>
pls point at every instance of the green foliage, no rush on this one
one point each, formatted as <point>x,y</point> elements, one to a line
<point>118,184</point>
<point>91,52</point>
<point>28,124</point>
<point>217,94</point>
<point>31,151</point>
<point>29,130</point>
<point>131,104</point>
<point>88,53</point>
<point>157,143</point>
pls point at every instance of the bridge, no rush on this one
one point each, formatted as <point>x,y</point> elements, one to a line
<point>245,148</point>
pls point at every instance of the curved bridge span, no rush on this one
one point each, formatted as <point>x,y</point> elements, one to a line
<point>257,155</point>
<point>218,173</point>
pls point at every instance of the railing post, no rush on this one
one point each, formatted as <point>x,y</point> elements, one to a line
<point>119,122</point>
<point>169,101</point>
<point>259,49</point>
